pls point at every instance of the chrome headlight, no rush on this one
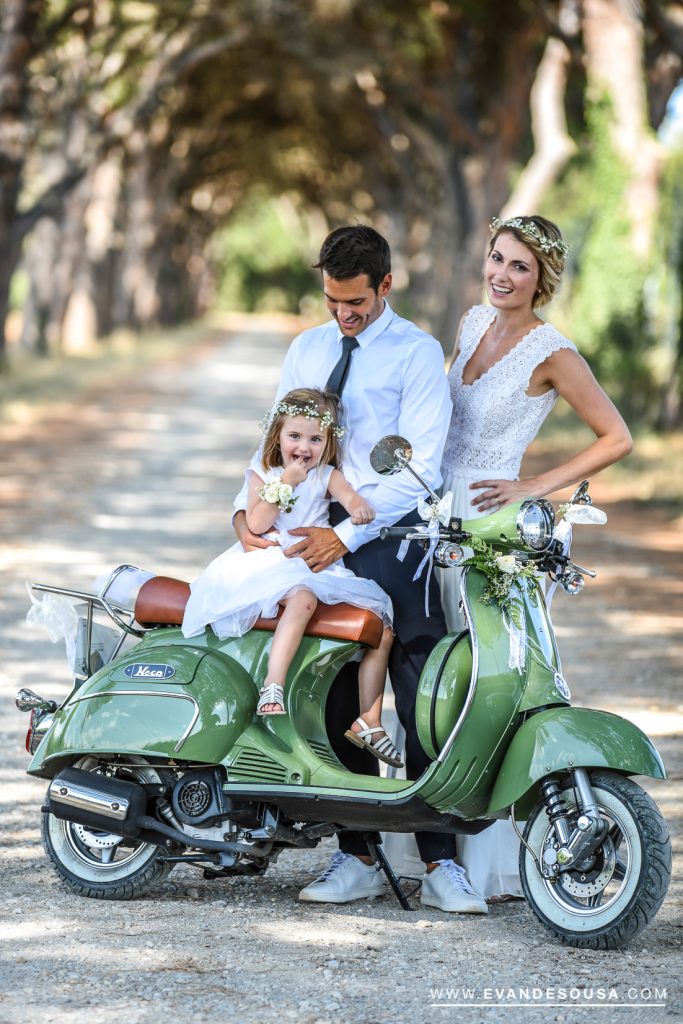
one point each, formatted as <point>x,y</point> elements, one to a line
<point>535,523</point>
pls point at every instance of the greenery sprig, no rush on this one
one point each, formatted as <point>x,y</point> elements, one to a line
<point>502,572</point>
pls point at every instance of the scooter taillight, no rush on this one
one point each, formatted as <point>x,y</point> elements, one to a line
<point>38,724</point>
<point>29,732</point>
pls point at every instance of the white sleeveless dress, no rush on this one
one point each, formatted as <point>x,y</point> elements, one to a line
<point>493,423</point>
<point>238,586</point>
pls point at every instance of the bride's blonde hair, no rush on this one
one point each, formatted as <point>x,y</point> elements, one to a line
<point>544,239</point>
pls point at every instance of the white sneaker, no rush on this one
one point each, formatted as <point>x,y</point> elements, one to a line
<point>447,888</point>
<point>346,878</point>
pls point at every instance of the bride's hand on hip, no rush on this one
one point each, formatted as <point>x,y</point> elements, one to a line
<point>496,493</point>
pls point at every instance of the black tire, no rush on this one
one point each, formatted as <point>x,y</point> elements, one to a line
<point>102,865</point>
<point>608,905</point>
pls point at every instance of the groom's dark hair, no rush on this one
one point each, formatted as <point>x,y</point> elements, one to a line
<point>353,250</point>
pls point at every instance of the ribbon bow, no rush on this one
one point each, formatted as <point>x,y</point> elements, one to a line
<point>439,511</point>
<point>434,513</point>
<point>584,514</point>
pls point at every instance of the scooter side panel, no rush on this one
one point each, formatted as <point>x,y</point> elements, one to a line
<point>194,715</point>
<point>564,738</point>
<point>464,777</point>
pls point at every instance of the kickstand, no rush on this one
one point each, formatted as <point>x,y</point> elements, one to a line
<point>377,853</point>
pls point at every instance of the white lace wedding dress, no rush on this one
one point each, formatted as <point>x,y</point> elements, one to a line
<point>493,423</point>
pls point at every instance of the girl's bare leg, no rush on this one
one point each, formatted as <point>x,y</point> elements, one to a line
<point>288,635</point>
<point>372,675</point>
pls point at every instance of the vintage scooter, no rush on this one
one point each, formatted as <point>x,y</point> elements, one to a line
<point>158,758</point>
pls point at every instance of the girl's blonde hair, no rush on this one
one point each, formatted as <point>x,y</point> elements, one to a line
<point>313,404</point>
<point>544,239</point>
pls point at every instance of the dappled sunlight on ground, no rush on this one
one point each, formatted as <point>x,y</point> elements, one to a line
<point>146,474</point>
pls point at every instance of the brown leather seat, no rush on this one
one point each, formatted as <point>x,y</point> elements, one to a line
<point>161,602</point>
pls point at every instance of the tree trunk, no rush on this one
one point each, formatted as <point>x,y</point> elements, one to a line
<point>553,145</point>
<point>19,21</point>
<point>614,42</point>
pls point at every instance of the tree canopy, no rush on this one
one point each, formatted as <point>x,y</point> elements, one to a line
<point>132,133</point>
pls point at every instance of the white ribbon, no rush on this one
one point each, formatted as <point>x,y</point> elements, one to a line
<point>563,533</point>
<point>438,511</point>
<point>435,514</point>
<point>517,650</point>
<point>584,514</point>
<point>428,560</point>
<point>578,514</point>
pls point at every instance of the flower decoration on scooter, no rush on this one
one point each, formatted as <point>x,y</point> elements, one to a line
<point>502,572</point>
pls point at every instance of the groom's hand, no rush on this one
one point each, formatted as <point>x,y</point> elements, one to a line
<point>249,541</point>
<point>319,549</point>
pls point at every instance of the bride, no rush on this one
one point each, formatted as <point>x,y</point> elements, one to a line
<point>507,370</point>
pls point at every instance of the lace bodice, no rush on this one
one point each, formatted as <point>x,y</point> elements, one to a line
<point>494,420</point>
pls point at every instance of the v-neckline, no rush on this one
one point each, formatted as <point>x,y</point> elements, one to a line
<point>490,324</point>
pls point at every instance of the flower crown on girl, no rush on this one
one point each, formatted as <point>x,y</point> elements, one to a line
<point>309,410</point>
<point>313,404</point>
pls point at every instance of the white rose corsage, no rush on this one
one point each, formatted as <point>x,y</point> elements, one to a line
<point>277,493</point>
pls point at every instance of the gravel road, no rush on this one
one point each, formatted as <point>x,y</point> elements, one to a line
<point>144,472</point>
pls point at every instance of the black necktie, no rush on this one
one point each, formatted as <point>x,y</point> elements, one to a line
<point>341,371</point>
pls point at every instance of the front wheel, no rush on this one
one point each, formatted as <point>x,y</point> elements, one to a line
<point>607,902</point>
<point>100,864</point>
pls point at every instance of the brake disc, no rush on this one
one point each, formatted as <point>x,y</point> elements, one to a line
<point>96,840</point>
<point>589,883</point>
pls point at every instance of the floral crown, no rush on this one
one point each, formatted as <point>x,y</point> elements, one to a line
<point>527,227</point>
<point>309,410</point>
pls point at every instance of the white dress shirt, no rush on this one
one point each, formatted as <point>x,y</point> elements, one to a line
<point>396,385</point>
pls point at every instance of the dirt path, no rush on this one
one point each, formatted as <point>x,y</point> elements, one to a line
<point>145,474</point>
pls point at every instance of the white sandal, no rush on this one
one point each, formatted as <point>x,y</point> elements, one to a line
<point>271,694</point>
<point>383,750</point>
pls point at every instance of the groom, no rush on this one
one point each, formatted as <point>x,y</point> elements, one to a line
<point>391,380</point>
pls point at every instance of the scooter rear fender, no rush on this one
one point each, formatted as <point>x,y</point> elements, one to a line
<point>563,738</point>
<point>173,702</point>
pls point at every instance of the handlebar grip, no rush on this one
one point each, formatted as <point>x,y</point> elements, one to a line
<point>395,531</point>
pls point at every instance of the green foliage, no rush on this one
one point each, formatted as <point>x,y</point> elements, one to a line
<point>666,299</point>
<point>603,305</point>
<point>262,259</point>
<point>504,576</point>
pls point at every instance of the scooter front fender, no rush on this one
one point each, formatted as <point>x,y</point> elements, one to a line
<point>563,738</point>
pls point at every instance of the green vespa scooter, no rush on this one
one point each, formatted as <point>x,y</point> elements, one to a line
<point>157,757</point>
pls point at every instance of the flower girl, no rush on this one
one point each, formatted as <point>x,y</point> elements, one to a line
<point>291,484</point>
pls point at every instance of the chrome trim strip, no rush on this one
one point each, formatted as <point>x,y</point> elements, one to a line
<point>443,753</point>
<point>87,799</point>
<point>147,693</point>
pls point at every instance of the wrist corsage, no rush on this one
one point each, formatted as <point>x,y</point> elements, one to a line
<point>277,493</point>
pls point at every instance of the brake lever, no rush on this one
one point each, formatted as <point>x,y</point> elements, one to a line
<point>580,568</point>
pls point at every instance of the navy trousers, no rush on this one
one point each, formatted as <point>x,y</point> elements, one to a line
<point>416,636</point>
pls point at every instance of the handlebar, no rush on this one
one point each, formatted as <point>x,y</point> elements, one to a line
<point>395,531</point>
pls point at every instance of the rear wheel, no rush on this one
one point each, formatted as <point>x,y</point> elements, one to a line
<point>606,902</point>
<point>99,864</point>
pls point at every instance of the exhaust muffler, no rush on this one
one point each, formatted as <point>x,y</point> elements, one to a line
<point>97,801</point>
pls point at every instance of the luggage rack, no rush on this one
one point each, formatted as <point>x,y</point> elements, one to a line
<point>83,667</point>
